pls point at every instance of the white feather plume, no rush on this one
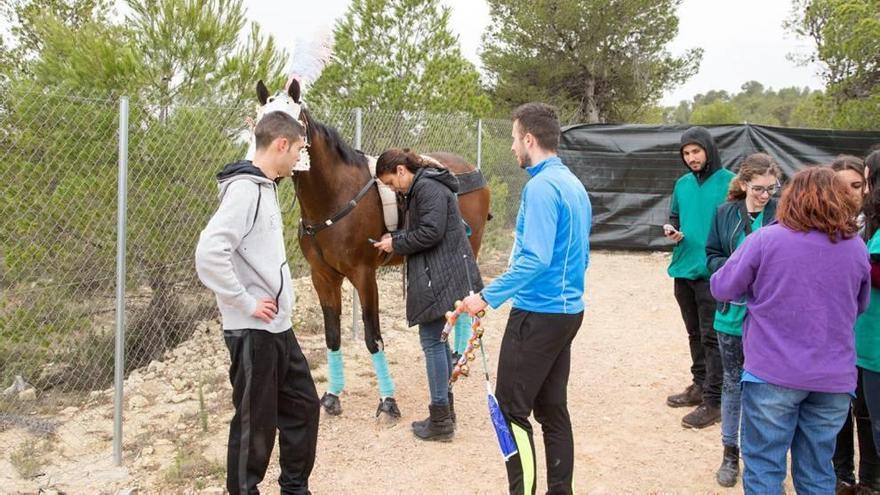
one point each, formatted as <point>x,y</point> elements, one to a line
<point>310,57</point>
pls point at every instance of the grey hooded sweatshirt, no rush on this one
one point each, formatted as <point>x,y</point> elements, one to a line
<point>241,254</point>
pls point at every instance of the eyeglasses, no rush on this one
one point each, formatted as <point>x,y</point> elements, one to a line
<point>760,190</point>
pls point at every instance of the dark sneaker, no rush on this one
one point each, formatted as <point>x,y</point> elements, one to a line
<point>692,396</point>
<point>844,488</point>
<point>704,415</point>
<point>861,489</point>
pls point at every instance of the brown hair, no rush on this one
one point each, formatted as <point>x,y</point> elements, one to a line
<point>754,165</point>
<point>274,125</point>
<point>539,120</point>
<point>872,200</point>
<point>848,162</point>
<point>390,159</point>
<point>816,199</point>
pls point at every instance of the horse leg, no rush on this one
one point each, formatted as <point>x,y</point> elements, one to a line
<point>328,284</point>
<point>368,290</point>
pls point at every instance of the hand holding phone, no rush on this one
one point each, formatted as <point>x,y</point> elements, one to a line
<point>672,233</point>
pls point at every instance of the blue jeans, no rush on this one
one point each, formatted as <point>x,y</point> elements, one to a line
<point>731,348</point>
<point>776,419</point>
<point>438,361</point>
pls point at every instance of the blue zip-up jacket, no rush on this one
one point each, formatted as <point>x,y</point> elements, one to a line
<point>552,247</point>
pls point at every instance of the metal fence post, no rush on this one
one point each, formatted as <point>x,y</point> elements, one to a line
<point>121,206</point>
<point>479,143</point>
<point>355,300</point>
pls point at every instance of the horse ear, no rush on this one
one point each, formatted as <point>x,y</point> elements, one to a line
<point>262,92</point>
<point>294,90</point>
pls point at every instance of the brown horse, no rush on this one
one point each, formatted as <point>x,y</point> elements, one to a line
<point>341,210</point>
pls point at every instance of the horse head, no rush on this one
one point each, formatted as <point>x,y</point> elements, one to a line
<point>288,102</point>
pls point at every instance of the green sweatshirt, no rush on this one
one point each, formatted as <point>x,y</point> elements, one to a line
<point>695,204</point>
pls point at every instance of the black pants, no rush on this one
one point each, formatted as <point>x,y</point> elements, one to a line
<point>844,452</point>
<point>533,369</point>
<point>272,388</point>
<point>698,312</point>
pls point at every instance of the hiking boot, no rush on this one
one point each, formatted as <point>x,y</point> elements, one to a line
<point>438,426</point>
<point>844,488</point>
<point>704,415</point>
<point>692,396</point>
<point>729,470</point>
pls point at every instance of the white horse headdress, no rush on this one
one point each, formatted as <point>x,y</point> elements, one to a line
<point>306,65</point>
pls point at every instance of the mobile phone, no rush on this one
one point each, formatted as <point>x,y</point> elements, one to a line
<point>669,229</point>
<point>372,241</point>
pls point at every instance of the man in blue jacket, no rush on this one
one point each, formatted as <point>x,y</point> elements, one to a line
<point>546,281</point>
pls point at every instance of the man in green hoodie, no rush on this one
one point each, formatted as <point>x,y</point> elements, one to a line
<point>694,199</point>
<point>241,257</point>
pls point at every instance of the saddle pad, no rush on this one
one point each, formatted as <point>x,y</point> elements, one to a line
<point>388,197</point>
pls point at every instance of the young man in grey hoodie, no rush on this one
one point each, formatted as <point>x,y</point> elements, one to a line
<point>241,257</point>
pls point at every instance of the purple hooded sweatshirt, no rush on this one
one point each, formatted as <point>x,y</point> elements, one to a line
<point>803,295</point>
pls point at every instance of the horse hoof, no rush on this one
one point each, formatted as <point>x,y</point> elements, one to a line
<point>332,404</point>
<point>388,406</point>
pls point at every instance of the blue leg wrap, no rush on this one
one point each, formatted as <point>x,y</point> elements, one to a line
<point>383,376</point>
<point>337,377</point>
<point>462,333</point>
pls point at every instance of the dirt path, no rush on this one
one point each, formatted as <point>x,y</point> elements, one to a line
<point>630,353</point>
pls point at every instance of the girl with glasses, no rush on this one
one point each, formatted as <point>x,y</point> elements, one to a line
<point>750,206</point>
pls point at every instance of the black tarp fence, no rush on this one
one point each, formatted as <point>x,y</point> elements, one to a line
<point>630,170</point>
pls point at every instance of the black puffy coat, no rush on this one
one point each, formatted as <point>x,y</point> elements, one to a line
<point>440,265</point>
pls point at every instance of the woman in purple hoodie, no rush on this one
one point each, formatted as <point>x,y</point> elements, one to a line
<point>805,280</point>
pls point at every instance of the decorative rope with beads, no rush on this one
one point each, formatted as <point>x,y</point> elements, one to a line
<point>461,366</point>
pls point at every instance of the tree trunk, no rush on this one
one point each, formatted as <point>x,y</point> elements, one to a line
<point>589,111</point>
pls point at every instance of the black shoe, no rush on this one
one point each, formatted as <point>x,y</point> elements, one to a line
<point>331,404</point>
<point>729,470</point>
<point>861,489</point>
<point>692,396</point>
<point>439,426</point>
<point>704,415</point>
<point>844,488</point>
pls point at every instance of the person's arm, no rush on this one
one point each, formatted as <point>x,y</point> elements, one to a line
<point>540,214</point>
<point>875,271</point>
<point>733,280</point>
<point>220,238</point>
<point>674,219</point>
<point>672,230</point>
<point>431,208</point>
<point>715,255</point>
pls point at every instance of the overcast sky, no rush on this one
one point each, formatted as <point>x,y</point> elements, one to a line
<point>742,40</point>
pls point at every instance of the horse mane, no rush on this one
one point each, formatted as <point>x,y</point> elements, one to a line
<point>334,141</point>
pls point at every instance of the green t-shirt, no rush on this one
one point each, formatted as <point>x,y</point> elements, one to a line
<point>695,205</point>
<point>731,322</point>
<point>868,324</point>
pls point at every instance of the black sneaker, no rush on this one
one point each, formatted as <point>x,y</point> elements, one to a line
<point>704,415</point>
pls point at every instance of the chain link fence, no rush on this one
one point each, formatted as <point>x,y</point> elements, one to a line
<point>59,157</point>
